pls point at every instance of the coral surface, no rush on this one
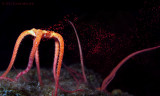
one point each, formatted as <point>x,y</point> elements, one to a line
<point>28,85</point>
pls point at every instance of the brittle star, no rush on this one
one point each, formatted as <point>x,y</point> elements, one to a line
<point>39,34</point>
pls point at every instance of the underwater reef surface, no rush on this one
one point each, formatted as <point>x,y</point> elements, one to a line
<point>28,85</point>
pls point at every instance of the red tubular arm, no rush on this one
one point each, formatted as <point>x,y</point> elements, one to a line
<point>80,52</point>
<point>38,66</point>
<point>55,58</point>
<point>111,76</point>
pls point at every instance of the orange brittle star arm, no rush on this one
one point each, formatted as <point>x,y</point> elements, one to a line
<point>36,43</point>
<point>54,67</point>
<point>54,64</point>
<point>20,38</point>
<point>59,49</point>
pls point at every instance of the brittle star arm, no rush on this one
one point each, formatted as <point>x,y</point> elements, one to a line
<point>58,37</point>
<point>32,54</point>
<point>110,77</point>
<point>54,67</point>
<point>55,58</point>
<point>80,52</point>
<point>20,38</point>
<point>38,66</point>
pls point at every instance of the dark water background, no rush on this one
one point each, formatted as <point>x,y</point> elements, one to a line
<point>121,28</point>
